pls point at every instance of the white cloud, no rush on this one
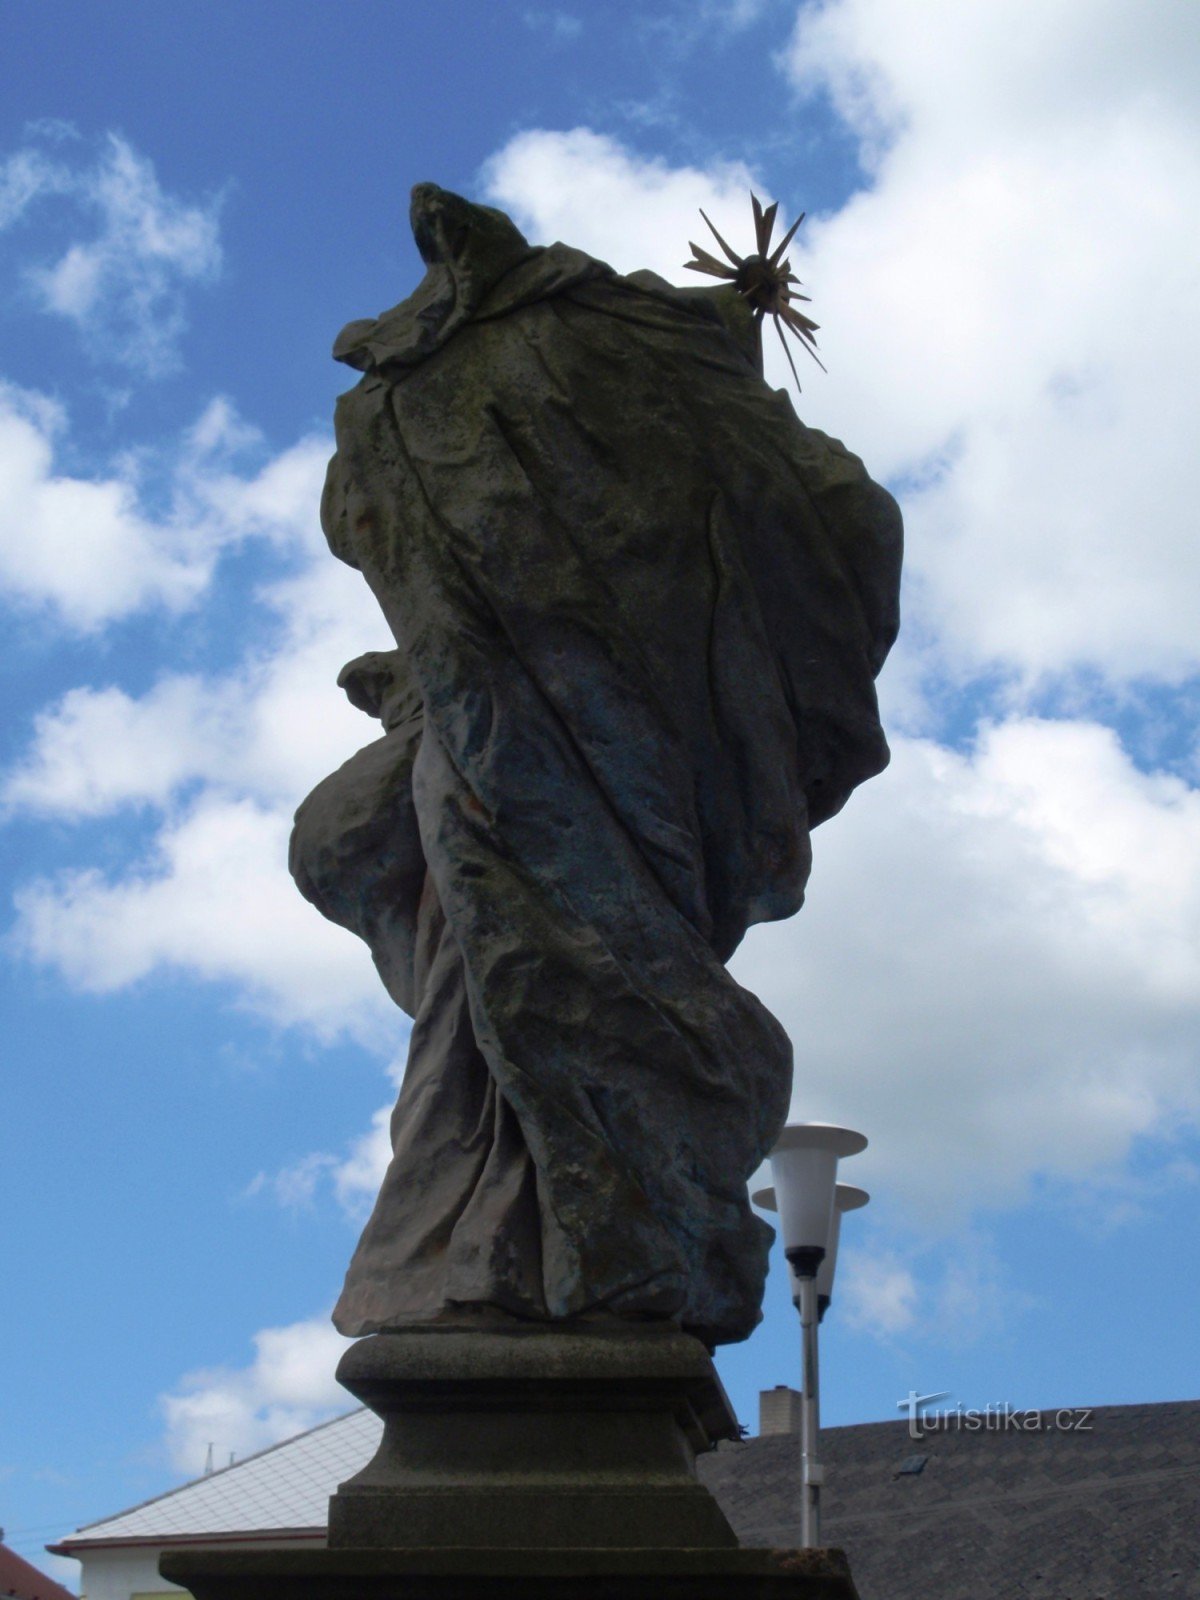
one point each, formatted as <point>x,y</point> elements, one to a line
<point>1008,309</point>
<point>99,749</point>
<point>997,964</point>
<point>25,176</point>
<point>287,1388</point>
<point>293,1187</point>
<point>1010,315</point>
<point>560,25</point>
<point>673,30</point>
<point>973,1298</point>
<point>735,14</point>
<point>122,286</point>
<point>225,758</point>
<point>56,129</point>
<point>86,549</point>
<point>280,503</point>
<point>952,1293</point>
<point>270,728</point>
<point>895,67</point>
<point>358,1176</point>
<point>588,190</point>
<point>877,1293</point>
<point>997,974</point>
<point>214,901</point>
<point>353,1177</point>
<point>80,545</point>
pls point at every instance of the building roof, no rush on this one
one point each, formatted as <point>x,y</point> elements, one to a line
<point>284,1488</point>
<point>1047,1515</point>
<point>25,1582</point>
<point>1052,1514</point>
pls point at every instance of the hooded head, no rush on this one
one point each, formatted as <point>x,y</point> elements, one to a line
<point>467,249</point>
<point>467,238</point>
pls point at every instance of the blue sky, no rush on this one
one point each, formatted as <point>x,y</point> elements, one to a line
<point>997,975</point>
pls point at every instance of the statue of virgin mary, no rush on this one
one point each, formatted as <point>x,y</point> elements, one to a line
<point>638,609</point>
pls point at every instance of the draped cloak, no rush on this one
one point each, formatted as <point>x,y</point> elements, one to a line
<point>638,610</point>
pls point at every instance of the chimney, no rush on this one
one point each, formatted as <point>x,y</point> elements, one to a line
<point>779,1410</point>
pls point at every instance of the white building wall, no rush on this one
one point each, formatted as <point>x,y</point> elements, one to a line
<point>121,1572</point>
<point>117,1574</point>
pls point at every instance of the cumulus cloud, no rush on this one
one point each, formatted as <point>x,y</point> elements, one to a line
<point>952,1293</point>
<point>217,762</point>
<point>893,67</point>
<point>214,900</point>
<point>353,1177</point>
<point>631,211</point>
<point>81,546</point>
<point>278,503</point>
<point>997,975</point>
<point>996,971</point>
<point>24,177</point>
<point>88,551</point>
<point>1011,318</point>
<point>269,728</point>
<point>287,1388</point>
<point>97,750</point>
<point>1007,309</point>
<point>123,285</point>
<point>358,1175</point>
<point>996,968</point>
<point>877,1292</point>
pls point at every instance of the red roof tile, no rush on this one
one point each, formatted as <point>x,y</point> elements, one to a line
<point>20,1581</point>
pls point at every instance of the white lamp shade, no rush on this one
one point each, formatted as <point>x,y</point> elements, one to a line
<point>846,1197</point>
<point>804,1167</point>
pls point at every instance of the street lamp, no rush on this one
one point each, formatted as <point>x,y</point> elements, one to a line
<point>846,1197</point>
<point>804,1167</point>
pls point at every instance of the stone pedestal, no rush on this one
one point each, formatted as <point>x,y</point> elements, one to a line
<point>524,1438</point>
<point>527,1462</point>
<point>511,1574</point>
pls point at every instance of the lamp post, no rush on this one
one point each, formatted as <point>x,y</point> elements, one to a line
<point>804,1167</point>
<point>846,1197</point>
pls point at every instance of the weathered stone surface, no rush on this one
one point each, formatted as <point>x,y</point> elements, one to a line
<point>655,1574</point>
<point>518,1434</point>
<point>638,609</point>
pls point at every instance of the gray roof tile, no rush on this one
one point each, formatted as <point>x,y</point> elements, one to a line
<point>1051,1515</point>
<point>1024,1516</point>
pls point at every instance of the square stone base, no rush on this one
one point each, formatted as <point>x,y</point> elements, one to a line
<point>534,1436</point>
<point>511,1574</point>
<point>526,1462</point>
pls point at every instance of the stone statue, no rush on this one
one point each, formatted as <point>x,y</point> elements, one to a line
<point>638,610</point>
